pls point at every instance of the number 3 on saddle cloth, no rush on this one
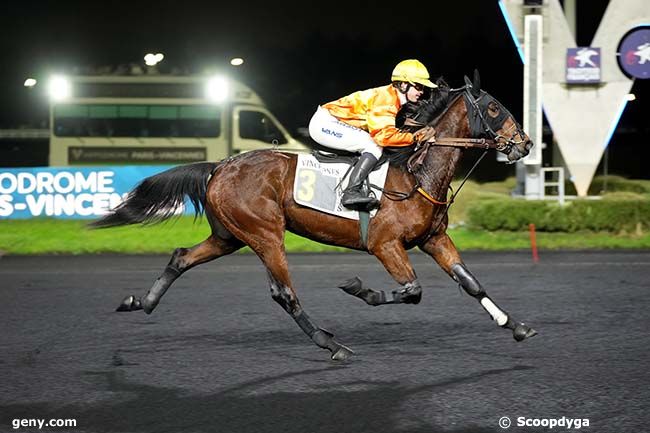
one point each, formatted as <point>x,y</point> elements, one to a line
<point>318,185</point>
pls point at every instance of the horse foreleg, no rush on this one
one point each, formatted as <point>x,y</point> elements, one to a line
<point>395,259</point>
<point>444,252</point>
<point>182,260</point>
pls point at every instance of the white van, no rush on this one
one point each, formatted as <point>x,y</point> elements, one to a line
<point>156,119</point>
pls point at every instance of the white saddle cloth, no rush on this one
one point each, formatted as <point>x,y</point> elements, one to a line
<point>315,185</point>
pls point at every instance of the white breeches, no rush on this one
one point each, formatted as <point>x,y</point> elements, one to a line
<point>328,131</point>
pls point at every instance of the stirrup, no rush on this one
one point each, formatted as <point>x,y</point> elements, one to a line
<point>363,203</point>
<point>355,195</point>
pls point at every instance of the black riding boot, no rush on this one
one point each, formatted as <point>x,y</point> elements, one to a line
<point>353,196</point>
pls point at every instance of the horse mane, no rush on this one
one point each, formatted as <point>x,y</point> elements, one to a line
<point>423,111</point>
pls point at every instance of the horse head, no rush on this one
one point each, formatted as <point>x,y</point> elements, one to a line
<point>488,118</point>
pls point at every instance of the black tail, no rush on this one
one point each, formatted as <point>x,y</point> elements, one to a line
<point>156,198</point>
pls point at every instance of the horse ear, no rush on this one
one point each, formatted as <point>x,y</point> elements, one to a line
<point>467,81</point>
<point>477,81</point>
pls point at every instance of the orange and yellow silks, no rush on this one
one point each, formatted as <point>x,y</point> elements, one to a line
<point>373,110</point>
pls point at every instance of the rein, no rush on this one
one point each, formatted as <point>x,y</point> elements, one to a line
<point>466,143</point>
<point>401,196</point>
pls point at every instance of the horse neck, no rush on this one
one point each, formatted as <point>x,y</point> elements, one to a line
<point>442,161</point>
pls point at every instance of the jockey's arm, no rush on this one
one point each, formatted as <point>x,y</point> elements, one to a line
<point>381,126</point>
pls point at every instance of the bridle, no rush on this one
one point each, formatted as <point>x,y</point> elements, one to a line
<point>482,129</point>
<point>486,127</point>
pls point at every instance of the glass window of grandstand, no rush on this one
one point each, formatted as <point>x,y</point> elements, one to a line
<point>76,120</point>
<point>256,125</point>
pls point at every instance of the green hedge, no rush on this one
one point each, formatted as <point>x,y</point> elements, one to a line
<point>613,215</point>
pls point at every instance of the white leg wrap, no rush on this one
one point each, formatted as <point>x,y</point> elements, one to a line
<point>499,316</point>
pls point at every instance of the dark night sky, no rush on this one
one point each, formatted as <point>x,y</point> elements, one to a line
<point>297,54</point>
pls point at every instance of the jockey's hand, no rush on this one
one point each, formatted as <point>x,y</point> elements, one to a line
<point>426,134</point>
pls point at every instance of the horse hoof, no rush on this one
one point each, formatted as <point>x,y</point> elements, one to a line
<point>149,303</point>
<point>522,332</point>
<point>412,298</point>
<point>130,303</point>
<point>342,354</point>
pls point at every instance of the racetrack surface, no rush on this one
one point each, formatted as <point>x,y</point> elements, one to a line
<point>219,355</point>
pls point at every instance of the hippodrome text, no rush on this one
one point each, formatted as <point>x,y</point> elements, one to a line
<point>57,194</point>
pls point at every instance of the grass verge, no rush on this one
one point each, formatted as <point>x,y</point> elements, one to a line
<point>50,236</point>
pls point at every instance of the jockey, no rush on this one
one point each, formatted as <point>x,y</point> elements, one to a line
<point>364,122</point>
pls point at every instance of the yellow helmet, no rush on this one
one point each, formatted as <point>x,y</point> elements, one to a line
<point>412,71</point>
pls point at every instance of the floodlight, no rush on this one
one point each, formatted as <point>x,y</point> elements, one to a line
<point>153,59</point>
<point>216,89</point>
<point>30,82</point>
<point>59,88</point>
<point>630,97</point>
<point>237,61</point>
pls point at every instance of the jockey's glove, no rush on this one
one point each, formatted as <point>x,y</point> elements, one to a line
<point>425,134</point>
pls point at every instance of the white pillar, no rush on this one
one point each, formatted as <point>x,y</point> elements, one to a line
<point>533,40</point>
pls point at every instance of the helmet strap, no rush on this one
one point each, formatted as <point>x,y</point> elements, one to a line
<point>399,86</point>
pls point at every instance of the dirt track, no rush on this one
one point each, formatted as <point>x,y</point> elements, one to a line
<point>218,355</point>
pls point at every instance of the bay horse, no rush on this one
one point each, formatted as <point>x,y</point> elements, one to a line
<point>248,200</point>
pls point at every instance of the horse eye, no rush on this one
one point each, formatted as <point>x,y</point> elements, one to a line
<point>493,109</point>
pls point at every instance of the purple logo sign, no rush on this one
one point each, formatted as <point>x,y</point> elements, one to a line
<point>634,53</point>
<point>583,65</point>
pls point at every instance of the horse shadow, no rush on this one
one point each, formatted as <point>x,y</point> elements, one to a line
<point>361,406</point>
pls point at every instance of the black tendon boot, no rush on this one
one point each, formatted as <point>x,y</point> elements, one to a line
<point>353,196</point>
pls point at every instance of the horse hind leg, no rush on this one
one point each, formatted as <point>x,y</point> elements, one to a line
<point>182,260</point>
